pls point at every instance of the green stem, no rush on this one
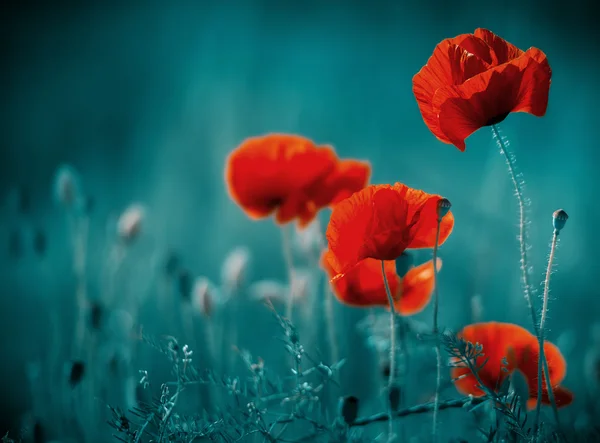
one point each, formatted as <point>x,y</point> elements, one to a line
<point>438,351</point>
<point>392,345</point>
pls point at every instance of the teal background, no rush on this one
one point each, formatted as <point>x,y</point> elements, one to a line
<point>146,100</point>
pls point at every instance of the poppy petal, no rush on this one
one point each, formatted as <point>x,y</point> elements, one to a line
<point>416,288</point>
<point>562,397</point>
<point>363,285</point>
<point>521,85</point>
<point>264,171</point>
<point>452,62</point>
<point>372,223</point>
<point>503,50</point>
<point>348,177</point>
<point>423,210</point>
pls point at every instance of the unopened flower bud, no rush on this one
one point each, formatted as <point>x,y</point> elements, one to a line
<point>394,395</point>
<point>203,296</point>
<point>443,207</point>
<point>129,224</point>
<point>559,218</point>
<point>185,284</point>
<point>66,186</point>
<point>348,409</point>
<point>233,271</point>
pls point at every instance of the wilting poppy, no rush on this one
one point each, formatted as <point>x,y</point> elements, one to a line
<point>520,349</point>
<point>380,222</point>
<point>291,176</point>
<point>476,80</point>
<point>363,285</point>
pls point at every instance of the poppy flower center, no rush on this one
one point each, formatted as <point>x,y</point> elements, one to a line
<point>497,119</point>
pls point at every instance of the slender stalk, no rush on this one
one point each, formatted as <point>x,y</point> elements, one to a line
<point>419,409</point>
<point>438,351</point>
<point>522,222</point>
<point>392,345</point>
<point>328,305</point>
<point>287,256</point>
<point>543,363</point>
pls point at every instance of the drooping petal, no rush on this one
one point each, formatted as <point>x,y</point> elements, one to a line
<point>363,285</point>
<point>562,397</point>
<point>416,288</point>
<point>521,85</point>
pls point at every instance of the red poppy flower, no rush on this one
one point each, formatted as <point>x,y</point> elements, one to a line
<point>348,177</point>
<point>380,222</point>
<point>291,176</point>
<point>520,348</point>
<point>363,285</point>
<point>476,80</point>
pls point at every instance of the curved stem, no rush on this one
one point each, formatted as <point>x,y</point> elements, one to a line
<point>419,409</point>
<point>542,362</point>
<point>522,221</point>
<point>392,344</point>
<point>438,351</point>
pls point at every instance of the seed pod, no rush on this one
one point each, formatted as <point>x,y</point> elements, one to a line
<point>443,207</point>
<point>394,396</point>
<point>96,315</point>
<point>559,219</point>
<point>76,373</point>
<point>172,264</point>
<point>185,284</point>
<point>38,432</point>
<point>348,409</point>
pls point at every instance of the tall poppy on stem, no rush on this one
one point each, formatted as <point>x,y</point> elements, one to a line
<point>443,207</point>
<point>380,222</point>
<point>559,219</point>
<point>519,349</point>
<point>292,177</point>
<point>476,80</point>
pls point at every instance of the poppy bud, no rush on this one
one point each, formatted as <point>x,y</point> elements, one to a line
<point>203,296</point>
<point>348,409</point>
<point>559,218</point>
<point>172,264</point>
<point>443,207</point>
<point>96,314</point>
<point>66,187</point>
<point>233,271</point>
<point>385,369</point>
<point>38,432</point>
<point>184,284</point>
<point>76,373</point>
<point>129,224</point>
<point>394,395</point>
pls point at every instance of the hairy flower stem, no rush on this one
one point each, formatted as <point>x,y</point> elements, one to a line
<point>438,351</point>
<point>543,363</point>
<point>392,346</point>
<point>522,222</point>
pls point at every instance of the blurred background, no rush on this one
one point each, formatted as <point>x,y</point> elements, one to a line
<point>146,99</point>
